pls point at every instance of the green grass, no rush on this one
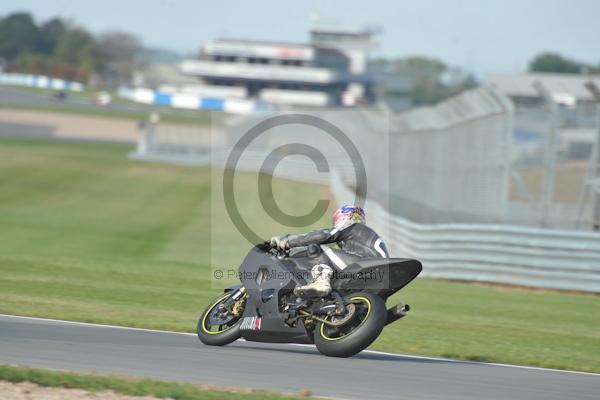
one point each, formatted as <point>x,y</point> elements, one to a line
<point>499,324</point>
<point>129,386</point>
<point>87,235</point>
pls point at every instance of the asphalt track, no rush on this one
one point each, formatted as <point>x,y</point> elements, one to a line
<point>287,368</point>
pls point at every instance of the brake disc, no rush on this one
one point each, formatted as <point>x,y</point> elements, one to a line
<point>341,320</point>
<point>220,315</point>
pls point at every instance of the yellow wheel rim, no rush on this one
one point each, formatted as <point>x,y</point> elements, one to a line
<point>357,298</point>
<point>209,310</point>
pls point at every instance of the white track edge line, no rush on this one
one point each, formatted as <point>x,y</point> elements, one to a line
<point>309,345</point>
<point>97,325</point>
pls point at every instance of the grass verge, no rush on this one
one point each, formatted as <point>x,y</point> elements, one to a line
<point>88,235</point>
<point>130,386</point>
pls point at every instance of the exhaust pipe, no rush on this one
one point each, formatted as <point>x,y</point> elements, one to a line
<point>397,312</point>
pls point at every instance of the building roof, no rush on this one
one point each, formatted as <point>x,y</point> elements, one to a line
<point>521,85</point>
<point>259,48</point>
<point>259,42</point>
<point>344,29</point>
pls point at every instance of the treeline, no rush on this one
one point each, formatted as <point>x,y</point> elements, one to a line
<point>423,80</point>
<point>426,80</point>
<point>62,49</point>
<point>557,63</point>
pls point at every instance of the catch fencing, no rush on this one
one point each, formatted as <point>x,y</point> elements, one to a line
<point>448,163</point>
<point>507,254</point>
<point>451,163</point>
<point>552,165</point>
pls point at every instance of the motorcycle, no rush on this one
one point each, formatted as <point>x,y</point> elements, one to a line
<point>264,308</point>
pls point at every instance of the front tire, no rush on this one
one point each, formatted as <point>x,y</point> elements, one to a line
<point>356,334</point>
<point>218,334</point>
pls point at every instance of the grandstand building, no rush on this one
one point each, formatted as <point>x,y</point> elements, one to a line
<point>330,70</point>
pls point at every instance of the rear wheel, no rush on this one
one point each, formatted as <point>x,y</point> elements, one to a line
<point>219,323</point>
<point>349,334</point>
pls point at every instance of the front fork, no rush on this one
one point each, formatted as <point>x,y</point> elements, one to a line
<point>236,302</point>
<point>238,293</point>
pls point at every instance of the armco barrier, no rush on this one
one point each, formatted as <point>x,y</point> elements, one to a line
<point>535,257</point>
<point>193,101</point>
<point>39,81</point>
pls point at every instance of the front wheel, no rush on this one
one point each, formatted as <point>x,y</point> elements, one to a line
<point>219,325</point>
<point>345,336</point>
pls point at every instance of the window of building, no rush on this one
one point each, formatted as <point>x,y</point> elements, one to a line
<point>297,63</point>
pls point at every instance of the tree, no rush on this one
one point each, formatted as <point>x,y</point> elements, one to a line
<point>123,54</point>
<point>51,31</point>
<point>424,80</point>
<point>422,66</point>
<point>18,33</point>
<point>554,62</point>
<point>61,49</point>
<point>75,46</point>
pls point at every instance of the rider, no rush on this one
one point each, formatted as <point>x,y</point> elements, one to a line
<point>352,236</point>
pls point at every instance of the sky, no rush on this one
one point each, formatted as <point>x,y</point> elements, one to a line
<point>480,36</point>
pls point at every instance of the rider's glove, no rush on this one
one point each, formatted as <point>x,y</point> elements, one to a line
<point>280,242</point>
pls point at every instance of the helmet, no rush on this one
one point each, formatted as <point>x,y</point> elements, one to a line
<point>347,215</point>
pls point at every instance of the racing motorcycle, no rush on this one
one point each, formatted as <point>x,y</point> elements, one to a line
<point>264,308</point>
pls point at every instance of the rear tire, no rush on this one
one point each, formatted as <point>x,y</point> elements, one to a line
<point>364,328</point>
<point>230,333</point>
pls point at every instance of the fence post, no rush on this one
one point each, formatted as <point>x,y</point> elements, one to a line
<point>549,154</point>
<point>595,186</point>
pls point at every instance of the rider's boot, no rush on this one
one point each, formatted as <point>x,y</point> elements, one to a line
<point>321,285</point>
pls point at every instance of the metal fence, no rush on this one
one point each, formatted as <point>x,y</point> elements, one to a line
<point>551,166</point>
<point>508,254</point>
<point>451,162</point>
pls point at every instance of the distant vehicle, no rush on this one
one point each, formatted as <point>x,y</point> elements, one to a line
<point>60,95</point>
<point>103,99</point>
<point>264,307</point>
